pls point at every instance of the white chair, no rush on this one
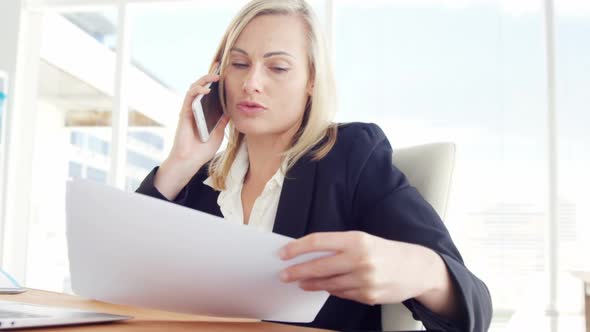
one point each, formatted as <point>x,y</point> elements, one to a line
<point>429,168</point>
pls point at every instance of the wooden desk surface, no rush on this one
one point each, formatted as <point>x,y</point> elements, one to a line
<point>144,319</point>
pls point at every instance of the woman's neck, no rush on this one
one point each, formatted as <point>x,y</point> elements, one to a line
<point>265,154</point>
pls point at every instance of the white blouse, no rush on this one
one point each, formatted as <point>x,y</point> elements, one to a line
<point>264,210</point>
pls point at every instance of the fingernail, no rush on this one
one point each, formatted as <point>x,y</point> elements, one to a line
<point>283,253</point>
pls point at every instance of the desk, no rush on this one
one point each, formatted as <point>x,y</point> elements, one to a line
<point>144,319</point>
<point>585,276</point>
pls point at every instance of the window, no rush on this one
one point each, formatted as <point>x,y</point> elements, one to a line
<point>78,139</point>
<point>141,161</point>
<point>145,137</point>
<point>72,132</point>
<point>572,56</point>
<point>98,145</point>
<point>473,73</point>
<point>75,170</point>
<point>96,175</point>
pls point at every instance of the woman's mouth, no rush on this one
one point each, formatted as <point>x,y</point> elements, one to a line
<point>250,107</point>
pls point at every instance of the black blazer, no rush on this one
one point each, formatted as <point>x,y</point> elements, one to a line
<point>355,187</point>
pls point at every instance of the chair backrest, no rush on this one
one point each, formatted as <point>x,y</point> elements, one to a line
<point>429,168</point>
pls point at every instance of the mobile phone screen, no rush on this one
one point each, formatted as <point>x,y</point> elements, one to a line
<point>212,107</point>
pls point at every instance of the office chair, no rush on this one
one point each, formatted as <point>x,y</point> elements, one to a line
<point>429,168</point>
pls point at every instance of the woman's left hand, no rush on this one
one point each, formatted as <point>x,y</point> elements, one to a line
<point>364,268</point>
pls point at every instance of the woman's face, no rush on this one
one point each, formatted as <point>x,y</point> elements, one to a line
<point>266,80</point>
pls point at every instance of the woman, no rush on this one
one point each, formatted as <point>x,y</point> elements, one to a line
<point>288,169</point>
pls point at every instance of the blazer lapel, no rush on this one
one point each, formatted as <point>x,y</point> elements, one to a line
<point>296,198</point>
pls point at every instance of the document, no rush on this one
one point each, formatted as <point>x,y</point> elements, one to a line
<point>132,249</point>
<point>8,285</point>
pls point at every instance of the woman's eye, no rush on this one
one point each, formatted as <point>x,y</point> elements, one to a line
<point>239,65</point>
<point>280,69</point>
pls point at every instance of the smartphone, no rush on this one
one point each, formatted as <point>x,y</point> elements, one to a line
<point>207,110</point>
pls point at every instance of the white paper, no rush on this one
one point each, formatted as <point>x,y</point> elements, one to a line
<point>129,248</point>
<point>7,282</point>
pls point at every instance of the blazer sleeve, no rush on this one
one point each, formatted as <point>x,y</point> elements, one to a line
<point>388,206</point>
<point>148,188</point>
<point>195,194</point>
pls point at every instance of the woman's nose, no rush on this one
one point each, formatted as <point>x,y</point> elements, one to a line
<point>252,82</point>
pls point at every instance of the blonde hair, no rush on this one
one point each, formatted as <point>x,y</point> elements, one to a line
<point>317,128</point>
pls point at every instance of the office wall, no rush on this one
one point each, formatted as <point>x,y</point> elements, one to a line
<point>9,22</point>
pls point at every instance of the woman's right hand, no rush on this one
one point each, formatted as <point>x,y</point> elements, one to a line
<point>188,153</point>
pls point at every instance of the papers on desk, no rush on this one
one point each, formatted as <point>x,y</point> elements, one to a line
<point>8,285</point>
<point>128,248</point>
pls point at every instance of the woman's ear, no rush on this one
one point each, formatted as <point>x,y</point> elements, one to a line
<point>309,88</point>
